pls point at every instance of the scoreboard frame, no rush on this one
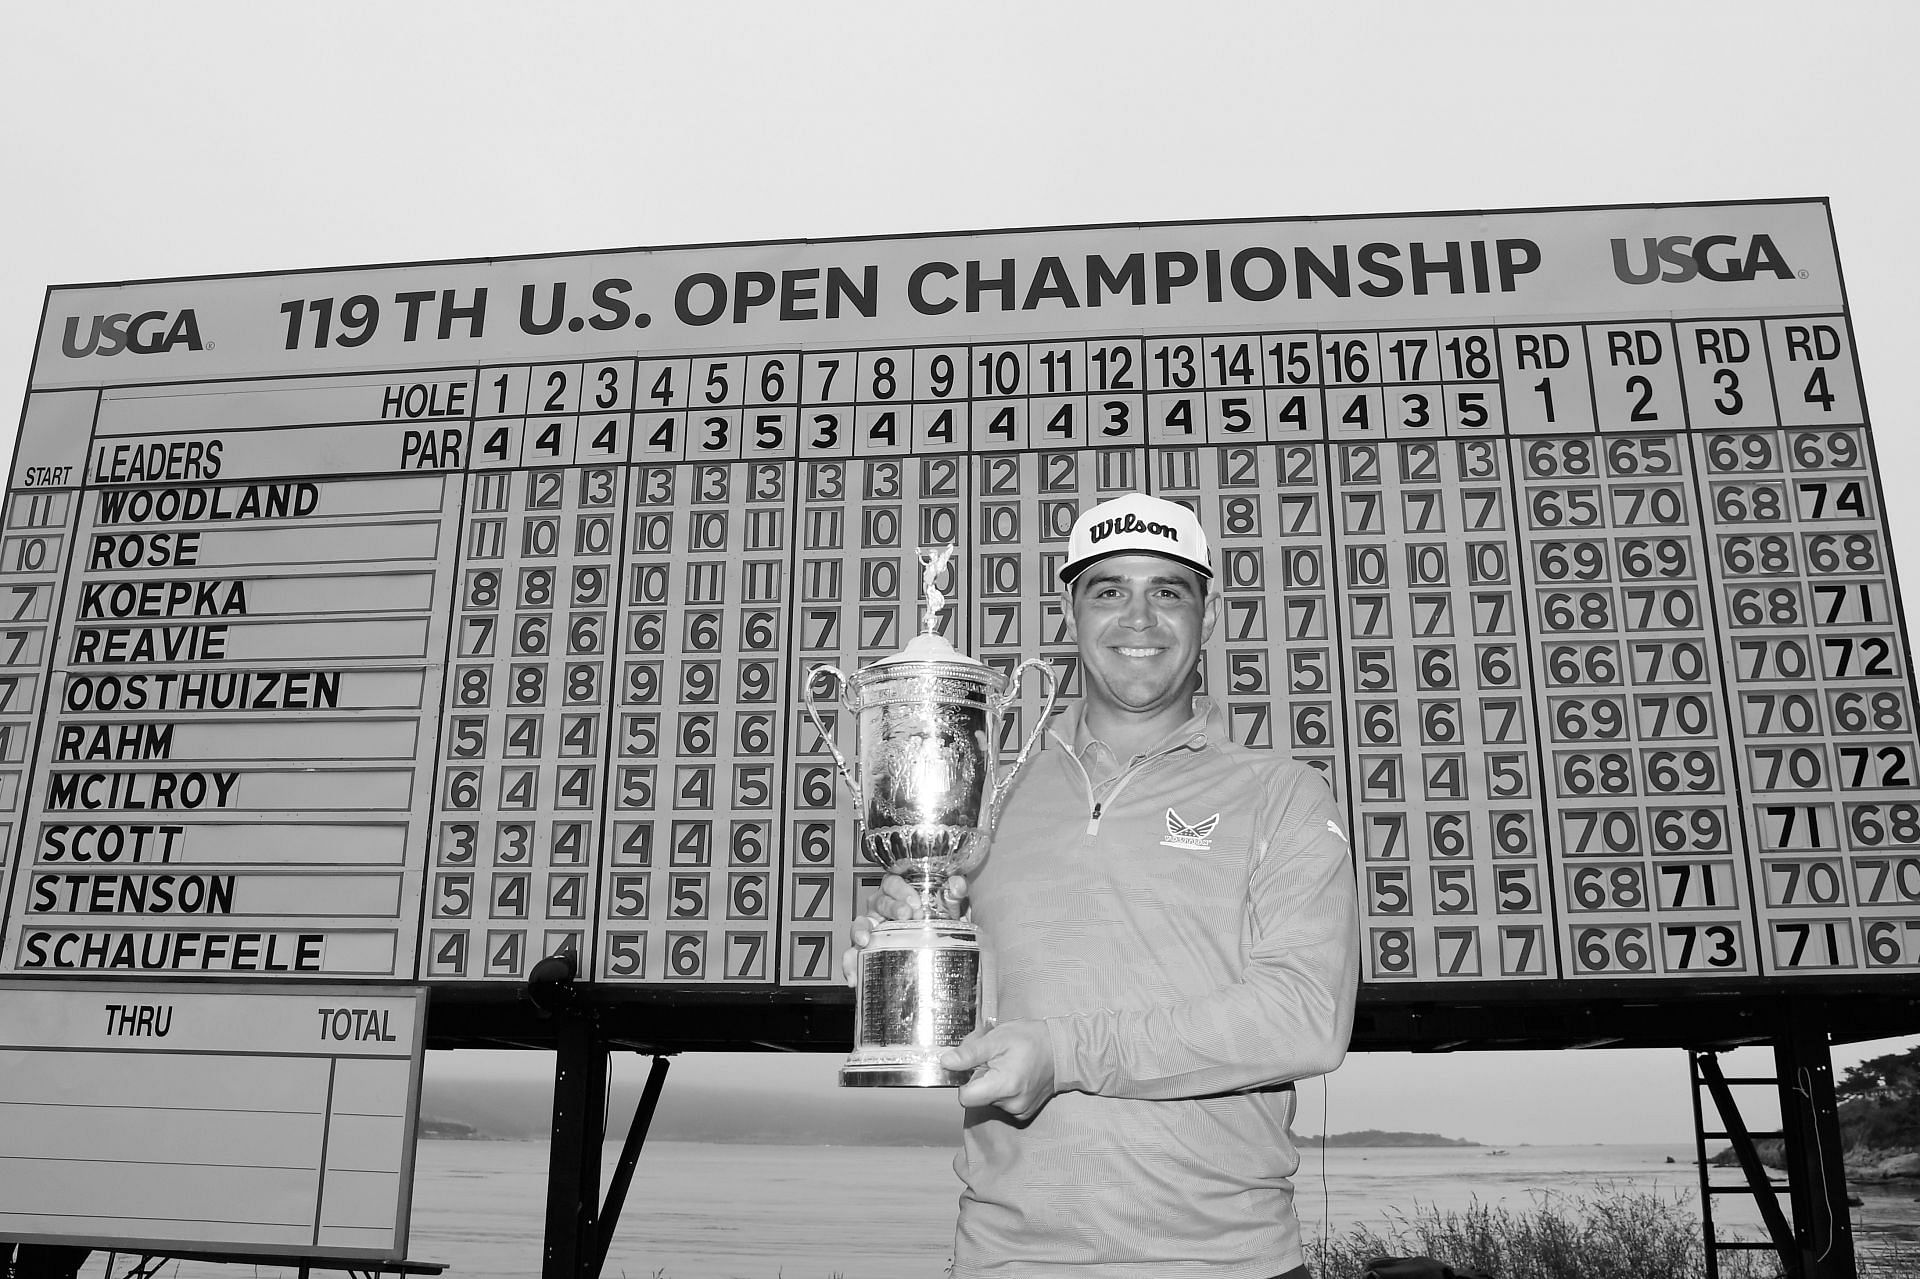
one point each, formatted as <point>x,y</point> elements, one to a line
<point>481,638</point>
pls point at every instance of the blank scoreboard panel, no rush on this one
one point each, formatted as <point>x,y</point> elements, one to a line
<point>418,622</point>
<point>157,1114</point>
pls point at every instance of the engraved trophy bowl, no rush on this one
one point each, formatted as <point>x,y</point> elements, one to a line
<point>926,721</point>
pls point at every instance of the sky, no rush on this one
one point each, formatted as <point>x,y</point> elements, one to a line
<point>194,138</point>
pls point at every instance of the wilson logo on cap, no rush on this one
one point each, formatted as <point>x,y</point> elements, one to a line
<point>1136,523</point>
<point>1131,523</point>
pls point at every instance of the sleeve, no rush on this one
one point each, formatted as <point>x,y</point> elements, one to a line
<point>1290,1013</point>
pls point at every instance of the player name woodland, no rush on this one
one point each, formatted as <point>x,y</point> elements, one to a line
<point>207,503</point>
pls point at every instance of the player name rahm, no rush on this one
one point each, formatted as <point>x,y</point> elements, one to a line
<point>114,742</point>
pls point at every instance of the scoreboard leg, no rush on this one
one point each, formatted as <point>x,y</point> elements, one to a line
<point>1810,1119</point>
<point>629,1156</point>
<point>573,1165</point>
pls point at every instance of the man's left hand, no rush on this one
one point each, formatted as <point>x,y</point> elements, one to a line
<point>1012,1065</point>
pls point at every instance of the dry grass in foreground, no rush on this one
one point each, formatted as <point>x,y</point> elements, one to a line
<point>1617,1233</point>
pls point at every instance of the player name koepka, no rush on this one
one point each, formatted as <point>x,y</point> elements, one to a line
<point>209,597</point>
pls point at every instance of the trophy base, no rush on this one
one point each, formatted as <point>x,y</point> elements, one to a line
<point>920,1074</point>
<point>918,994</point>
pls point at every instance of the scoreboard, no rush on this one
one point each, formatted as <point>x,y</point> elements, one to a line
<point>415,622</point>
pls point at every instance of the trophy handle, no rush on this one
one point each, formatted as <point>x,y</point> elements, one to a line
<point>840,691</point>
<point>1000,704</point>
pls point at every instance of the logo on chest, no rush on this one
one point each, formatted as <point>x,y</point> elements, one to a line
<point>1184,834</point>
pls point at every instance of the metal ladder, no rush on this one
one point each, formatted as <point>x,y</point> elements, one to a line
<point>1704,1068</point>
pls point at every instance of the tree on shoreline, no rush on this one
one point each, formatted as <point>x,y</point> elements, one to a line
<point>1880,1103</point>
<point>1894,1077</point>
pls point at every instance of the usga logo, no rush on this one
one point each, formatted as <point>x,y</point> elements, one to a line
<point>1675,258</point>
<point>143,334</point>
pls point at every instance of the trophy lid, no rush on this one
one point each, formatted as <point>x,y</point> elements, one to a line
<point>928,646</point>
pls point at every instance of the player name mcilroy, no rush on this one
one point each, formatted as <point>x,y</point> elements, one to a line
<point>67,792</point>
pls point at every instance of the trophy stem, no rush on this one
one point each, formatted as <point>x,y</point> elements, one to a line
<point>932,893</point>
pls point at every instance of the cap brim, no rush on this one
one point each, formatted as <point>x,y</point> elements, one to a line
<point>1072,571</point>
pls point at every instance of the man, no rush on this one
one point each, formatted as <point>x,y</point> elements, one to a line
<point>1172,936</point>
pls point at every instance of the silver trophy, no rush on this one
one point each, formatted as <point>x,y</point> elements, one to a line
<point>926,722</point>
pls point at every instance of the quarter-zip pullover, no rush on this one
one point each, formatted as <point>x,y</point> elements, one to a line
<point>1185,925</point>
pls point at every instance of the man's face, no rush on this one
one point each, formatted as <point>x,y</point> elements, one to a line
<point>1140,621</point>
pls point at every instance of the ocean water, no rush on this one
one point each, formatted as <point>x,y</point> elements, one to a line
<point>699,1211</point>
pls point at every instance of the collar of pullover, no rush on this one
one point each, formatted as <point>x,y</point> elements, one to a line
<point>1070,731</point>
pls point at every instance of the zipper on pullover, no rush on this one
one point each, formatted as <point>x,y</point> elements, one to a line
<point>1126,775</point>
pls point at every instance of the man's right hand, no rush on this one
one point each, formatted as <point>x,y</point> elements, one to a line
<point>895,899</point>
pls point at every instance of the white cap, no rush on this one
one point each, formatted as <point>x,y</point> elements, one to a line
<point>1136,524</point>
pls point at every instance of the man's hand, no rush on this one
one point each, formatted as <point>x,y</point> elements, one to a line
<point>1012,1065</point>
<point>895,899</point>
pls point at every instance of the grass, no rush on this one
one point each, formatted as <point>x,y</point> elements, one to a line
<point>1617,1233</point>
